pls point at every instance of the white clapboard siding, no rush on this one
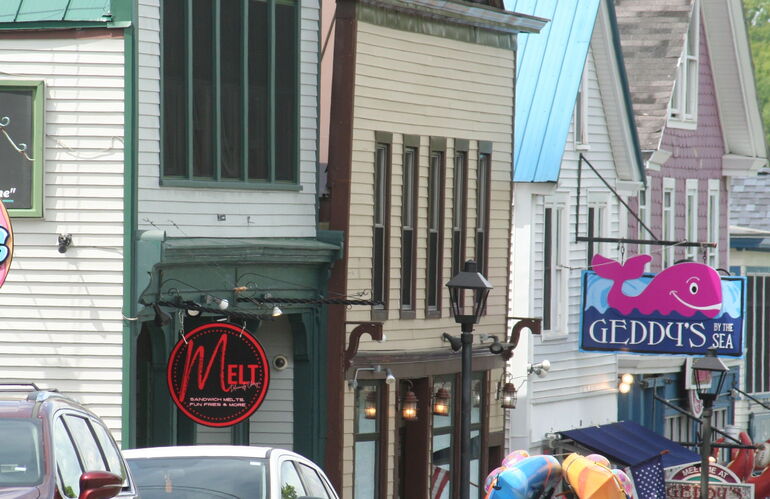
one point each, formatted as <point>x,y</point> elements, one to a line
<point>414,84</point>
<point>60,314</point>
<point>249,213</point>
<point>575,375</point>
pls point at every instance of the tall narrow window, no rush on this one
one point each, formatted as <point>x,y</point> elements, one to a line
<point>230,83</point>
<point>380,229</point>
<point>408,226</point>
<point>368,446</point>
<point>712,220</point>
<point>459,197</point>
<point>691,218</point>
<point>668,220</point>
<point>581,113</point>
<point>435,228</point>
<point>554,292</point>
<point>684,99</point>
<point>597,223</point>
<point>483,175</point>
<point>644,215</point>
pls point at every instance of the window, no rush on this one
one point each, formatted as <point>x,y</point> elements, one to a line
<point>644,215</point>
<point>443,427</point>
<point>684,99</point>
<point>435,226</point>
<point>68,469</point>
<point>757,322</point>
<point>483,179</point>
<point>459,200</point>
<point>314,482</point>
<point>409,225</point>
<point>691,218</point>
<point>367,448</point>
<point>291,484</point>
<point>21,128</point>
<point>597,220</point>
<point>581,113</point>
<point>712,221</point>
<point>85,441</point>
<point>229,97</point>
<point>380,229</point>
<point>554,272</point>
<point>668,220</point>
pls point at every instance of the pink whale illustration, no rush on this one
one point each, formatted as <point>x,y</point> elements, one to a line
<point>685,288</point>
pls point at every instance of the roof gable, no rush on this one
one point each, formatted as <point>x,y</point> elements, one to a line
<point>652,38</point>
<point>548,72</point>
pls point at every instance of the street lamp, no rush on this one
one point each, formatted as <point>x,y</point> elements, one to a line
<point>468,281</point>
<point>707,369</point>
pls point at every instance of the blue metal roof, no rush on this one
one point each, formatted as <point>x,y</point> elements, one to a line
<point>549,67</point>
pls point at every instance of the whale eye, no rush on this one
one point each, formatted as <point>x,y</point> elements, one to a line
<point>694,288</point>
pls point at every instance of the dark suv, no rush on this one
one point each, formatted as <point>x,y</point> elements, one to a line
<point>51,447</point>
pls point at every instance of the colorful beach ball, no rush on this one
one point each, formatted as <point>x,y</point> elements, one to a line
<point>599,459</point>
<point>514,457</point>
<point>491,478</point>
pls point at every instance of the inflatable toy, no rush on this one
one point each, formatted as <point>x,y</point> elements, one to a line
<point>590,480</point>
<point>528,478</point>
<point>599,459</point>
<point>625,482</point>
<point>514,457</point>
<point>491,478</point>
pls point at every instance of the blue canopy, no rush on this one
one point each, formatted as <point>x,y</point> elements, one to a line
<point>630,443</point>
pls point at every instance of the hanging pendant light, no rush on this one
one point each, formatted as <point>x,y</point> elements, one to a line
<point>508,396</point>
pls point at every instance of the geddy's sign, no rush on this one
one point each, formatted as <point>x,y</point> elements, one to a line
<point>685,309</point>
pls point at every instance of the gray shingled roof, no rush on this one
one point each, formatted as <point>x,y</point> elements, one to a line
<point>748,202</point>
<point>652,38</point>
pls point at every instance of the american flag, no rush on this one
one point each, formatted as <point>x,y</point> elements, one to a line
<point>649,479</point>
<point>439,480</point>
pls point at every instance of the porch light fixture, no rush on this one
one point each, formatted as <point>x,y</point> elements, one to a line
<point>277,312</point>
<point>539,368</point>
<point>221,303</point>
<point>409,406</point>
<point>370,406</point>
<point>626,381</point>
<point>508,396</point>
<point>441,402</point>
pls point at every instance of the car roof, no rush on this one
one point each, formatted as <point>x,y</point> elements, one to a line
<point>26,403</point>
<point>202,451</point>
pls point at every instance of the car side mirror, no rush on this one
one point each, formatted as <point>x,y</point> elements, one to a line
<point>99,485</point>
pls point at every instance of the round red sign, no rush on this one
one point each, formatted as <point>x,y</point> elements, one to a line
<point>218,374</point>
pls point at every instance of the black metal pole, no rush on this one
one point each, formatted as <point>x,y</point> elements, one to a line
<point>705,449</point>
<point>465,418</point>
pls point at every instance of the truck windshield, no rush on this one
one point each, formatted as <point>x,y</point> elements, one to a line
<point>20,453</point>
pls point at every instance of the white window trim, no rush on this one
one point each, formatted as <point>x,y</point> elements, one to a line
<point>686,84</point>
<point>559,280</point>
<point>669,185</point>
<point>691,219</point>
<point>713,220</point>
<point>581,136</point>
<point>600,201</point>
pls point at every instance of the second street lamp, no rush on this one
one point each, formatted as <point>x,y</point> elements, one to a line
<point>467,290</point>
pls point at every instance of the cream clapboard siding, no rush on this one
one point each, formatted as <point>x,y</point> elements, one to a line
<point>413,84</point>
<point>60,314</point>
<point>574,375</point>
<point>193,212</point>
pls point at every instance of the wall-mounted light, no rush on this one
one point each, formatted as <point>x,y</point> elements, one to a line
<point>277,312</point>
<point>64,241</point>
<point>441,402</point>
<point>626,381</point>
<point>221,303</point>
<point>539,368</point>
<point>508,396</point>
<point>409,406</point>
<point>370,406</point>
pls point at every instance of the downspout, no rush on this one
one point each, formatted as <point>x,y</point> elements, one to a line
<point>130,295</point>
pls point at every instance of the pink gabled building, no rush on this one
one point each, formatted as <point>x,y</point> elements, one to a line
<point>692,87</point>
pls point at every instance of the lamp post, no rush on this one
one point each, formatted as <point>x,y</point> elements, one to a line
<point>704,369</point>
<point>468,281</point>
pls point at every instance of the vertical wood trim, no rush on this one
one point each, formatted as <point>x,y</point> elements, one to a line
<point>245,89</point>
<point>339,173</point>
<point>383,454</point>
<point>217,128</point>
<point>271,55</point>
<point>188,122</point>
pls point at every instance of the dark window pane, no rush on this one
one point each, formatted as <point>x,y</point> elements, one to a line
<point>231,78</point>
<point>378,285</point>
<point>432,270</point>
<point>547,268</point>
<point>407,269</point>
<point>285,92</point>
<point>258,32</point>
<point>174,89</point>
<point>203,89</point>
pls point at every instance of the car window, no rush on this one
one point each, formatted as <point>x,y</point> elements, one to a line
<point>291,485</point>
<point>67,462</point>
<point>111,451</point>
<point>313,482</point>
<point>20,453</point>
<point>85,441</point>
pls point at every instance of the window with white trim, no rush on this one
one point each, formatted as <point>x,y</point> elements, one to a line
<point>691,218</point>
<point>380,226</point>
<point>597,222</point>
<point>644,215</point>
<point>555,272</point>
<point>712,222</point>
<point>683,110</point>
<point>669,193</point>
<point>581,114</point>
